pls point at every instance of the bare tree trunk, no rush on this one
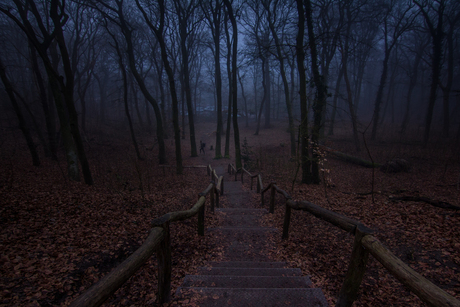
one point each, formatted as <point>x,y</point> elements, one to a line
<point>334,103</point>
<point>321,93</point>
<point>125,96</point>
<point>410,89</point>
<point>285,82</point>
<point>267,95</point>
<point>450,78</point>
<point>230,91</point>
<point>186,78</point>
<point>172,85</point>
<point>245,100</point>
<point>306,162</point>
<point>437,38</point>
<point>264,97</point>
<point>236,133</point>
<point>217,13</point>
<point>68,88</point>
<point>50,124</point>
<point>136,105</point>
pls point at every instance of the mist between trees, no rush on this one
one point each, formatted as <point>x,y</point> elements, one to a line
<point>69,67</point>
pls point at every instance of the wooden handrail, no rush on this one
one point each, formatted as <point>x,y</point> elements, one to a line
<point>422,287</point>
<point>364,244</point>
<point>159,241</point>
<point>334,218</point>
<point>102,290</point>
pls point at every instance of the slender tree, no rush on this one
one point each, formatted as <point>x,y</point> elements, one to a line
<point>236,133</point>
<point>125,94</point>
<point>396,21</point>
<point>187,20</point>
<point>320,95</point>
<point>213,14</point>
<point>280,57</point>
<point>305,156</point>
<point>434,18</point>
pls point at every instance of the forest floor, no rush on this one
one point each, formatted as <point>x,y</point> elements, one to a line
<point>58,237</point>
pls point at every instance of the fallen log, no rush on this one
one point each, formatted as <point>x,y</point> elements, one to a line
<point>436,203</point>
<point>350,159</point>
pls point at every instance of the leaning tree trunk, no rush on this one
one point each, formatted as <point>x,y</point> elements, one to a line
<point>22,122</point>
<point>50,124</point>
<point>125,97</point>
<point>141,82</point>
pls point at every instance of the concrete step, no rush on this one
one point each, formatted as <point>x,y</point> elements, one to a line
<point>247,264</point>
<point>254,297</point>
<point>222,281</point>
<point>248,271</point>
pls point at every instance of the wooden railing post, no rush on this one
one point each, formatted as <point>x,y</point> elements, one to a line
<point>272,198</point>
<point>211,197</point>
<point>262,198</point>
<point>242,173</point>
<point>356,269</point>
<point>222,186</point>
<point>164,267</point>
<point>201,220</point>
<point>287,221</point>
<point>236,175</point>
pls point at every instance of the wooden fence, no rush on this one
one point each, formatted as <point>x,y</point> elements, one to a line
<point>364,243</point>
<point>158,241</point>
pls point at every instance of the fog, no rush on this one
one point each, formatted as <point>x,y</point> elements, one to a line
<point>70,67</point>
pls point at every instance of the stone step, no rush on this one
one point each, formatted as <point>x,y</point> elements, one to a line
<point>247,264</point>
<point>253,297</point>
<point>245,229</point>
<point>248,271</point>
<point>242,211</point>
<point>240,220</point>
<point>222,281</point>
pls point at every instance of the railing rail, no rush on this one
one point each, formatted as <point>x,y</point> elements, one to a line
<point>232,170</point>
<point>364,244</point>
<point>158,241</point>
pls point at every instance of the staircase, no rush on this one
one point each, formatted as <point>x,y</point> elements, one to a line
<point>247,277</point>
